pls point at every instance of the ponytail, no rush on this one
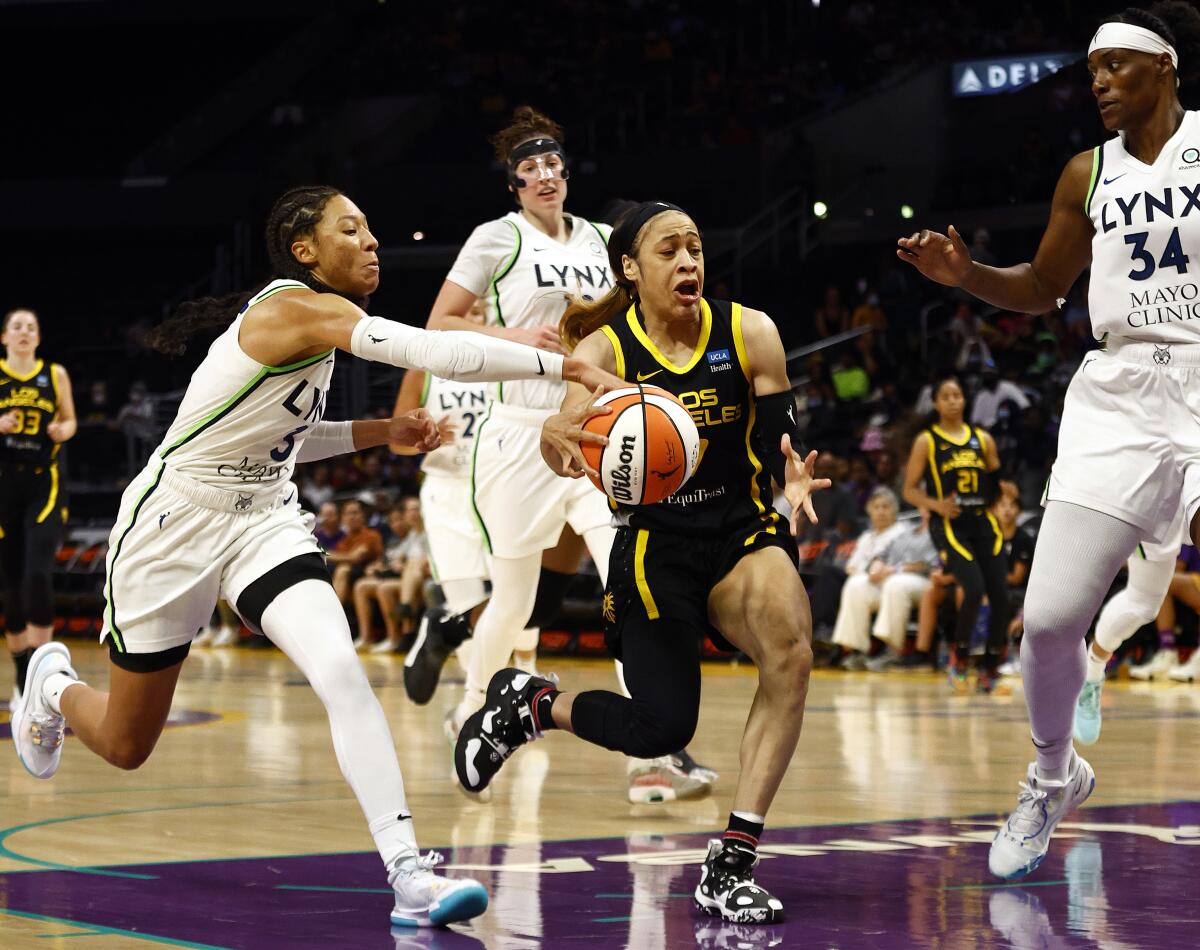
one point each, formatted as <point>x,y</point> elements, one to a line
<point>585,317</point>
<point>295,214</point>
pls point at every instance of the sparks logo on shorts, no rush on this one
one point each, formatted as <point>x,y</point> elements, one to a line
<point>607,608</point>
<point>718,360</point>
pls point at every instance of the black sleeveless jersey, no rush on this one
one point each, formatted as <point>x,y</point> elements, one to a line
<point>35,398</point>
<point>956,467</point>
<point>729,492</point>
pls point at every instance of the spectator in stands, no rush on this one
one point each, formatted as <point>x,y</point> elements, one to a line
<point>868,313</point>
<point>832,316</point>
<point>328,528</point>
<point>395,581</point>
<point>136,420</point>
<point>851,383</point>
<point>316,486</point>
<point>993,392</point>
<point>359,547</point>
<point>864,578</point>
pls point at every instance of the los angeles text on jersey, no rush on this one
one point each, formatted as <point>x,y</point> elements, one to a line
<point>26,397</point>
<point>704,406</point>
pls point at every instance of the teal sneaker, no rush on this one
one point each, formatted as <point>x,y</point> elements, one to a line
<point>1087,714</point>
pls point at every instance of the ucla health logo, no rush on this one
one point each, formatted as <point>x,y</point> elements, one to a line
<point>718,360</point>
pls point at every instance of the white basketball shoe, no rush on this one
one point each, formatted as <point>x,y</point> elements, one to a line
<point>1022,842</point>
<point>1158,666</point>
<point>425,899</point>
<point>36,728</point>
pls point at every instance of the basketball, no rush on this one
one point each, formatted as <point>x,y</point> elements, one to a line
<point>653,445</point>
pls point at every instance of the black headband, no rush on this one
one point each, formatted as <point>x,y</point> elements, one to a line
<point>620,243</point>
<point>543,145</point>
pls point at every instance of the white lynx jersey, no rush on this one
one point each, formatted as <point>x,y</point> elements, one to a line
<point>241,424</point>
<point>527,280</point>
<point>1145,281</point>
<point>463,405</point>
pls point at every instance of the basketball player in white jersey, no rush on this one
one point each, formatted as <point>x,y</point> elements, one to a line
<point>528,265</point>
<point>1150,569</point>
<point>214,514</point>
<point>1129,452</point>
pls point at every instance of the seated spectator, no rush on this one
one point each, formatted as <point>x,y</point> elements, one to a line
<point>993,393</point>
<point>831,317</point>
<point>358,547</point>
<point>395,582</point>
<point>316,486</point>
<point>866,572</point>
<point>328,528</point>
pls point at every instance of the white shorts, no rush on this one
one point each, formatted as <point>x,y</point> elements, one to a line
<point>1129,444</point>
<point>455,542</point>
<point>521,504</point>
<point>1168,548</point>
<point>179,545</point>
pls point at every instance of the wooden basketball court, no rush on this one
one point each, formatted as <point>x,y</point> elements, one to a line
<point>240,832</point>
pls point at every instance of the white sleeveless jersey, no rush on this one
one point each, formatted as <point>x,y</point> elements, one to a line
<point>465,404</point>
<point>1145,279</point>
<point>529,279</point>
<point>241,424</point>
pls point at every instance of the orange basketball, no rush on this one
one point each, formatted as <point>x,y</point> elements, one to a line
<point>653,445</point>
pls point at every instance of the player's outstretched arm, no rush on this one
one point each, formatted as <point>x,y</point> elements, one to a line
<point>1034,287</point>
<point>293,324</point>
<point>415,431</point>
<point>456,308</point>
<point>563,432</point>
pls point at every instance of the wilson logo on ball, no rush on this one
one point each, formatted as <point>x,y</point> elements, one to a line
<point>653,445</point>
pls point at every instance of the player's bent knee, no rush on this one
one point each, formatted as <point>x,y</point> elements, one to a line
<point>130,752</point>
<point>655,732</point>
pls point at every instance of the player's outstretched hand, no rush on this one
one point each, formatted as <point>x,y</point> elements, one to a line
<point>9,421</point>
<point>939,257</point>
<point>563,432</point>
<point>799,484</point>
<point>415,428</point>
<point>577,371</point>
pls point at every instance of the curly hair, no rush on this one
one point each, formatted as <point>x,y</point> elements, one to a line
<point>526,123</point>
<point>1178,23</point>
<point>295,214</point>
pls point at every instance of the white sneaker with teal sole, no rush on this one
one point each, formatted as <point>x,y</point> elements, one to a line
<point>1087,713</point>
<point>425,899</point>
<point>1022,842</point>
<point>37,730</point>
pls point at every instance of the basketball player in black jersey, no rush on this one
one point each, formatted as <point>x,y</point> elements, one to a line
<point>959,465</point>
<point>37,414</point>
<point>716,559</point>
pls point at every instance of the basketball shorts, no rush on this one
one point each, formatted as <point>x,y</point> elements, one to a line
<point>1167,549</point>
<point>1129,443</point>
<point>178,546</point>
<point>521,505</point>
<point>451,532</point>
<point>656,574</point>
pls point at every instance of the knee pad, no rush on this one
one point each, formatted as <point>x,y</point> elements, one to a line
<point>552,588</point>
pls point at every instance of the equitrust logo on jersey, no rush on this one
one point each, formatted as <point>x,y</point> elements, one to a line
<point>1191,158</point>
<point>718,360</point>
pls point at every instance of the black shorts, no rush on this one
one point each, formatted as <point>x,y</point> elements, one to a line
<point>652,574</point>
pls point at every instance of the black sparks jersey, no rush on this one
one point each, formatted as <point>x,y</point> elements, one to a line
<point>956,467</point>
<point>730,491</point>
<point>34,397</point>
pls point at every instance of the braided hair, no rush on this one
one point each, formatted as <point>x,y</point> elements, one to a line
<point>1178,23</point>
<point>295,214</point>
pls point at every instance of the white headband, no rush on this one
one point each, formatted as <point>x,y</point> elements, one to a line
<point>1128,36</point>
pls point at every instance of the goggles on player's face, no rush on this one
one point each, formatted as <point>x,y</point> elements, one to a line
<point>537,161</point>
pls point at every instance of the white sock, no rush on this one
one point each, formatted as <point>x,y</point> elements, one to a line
<point>1095,667</point>
<point>53,687</point>
<point>394,838</point>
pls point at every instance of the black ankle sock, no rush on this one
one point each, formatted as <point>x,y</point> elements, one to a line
<point>742,834</point>
<point>541,703</point>
<point>21,662</point>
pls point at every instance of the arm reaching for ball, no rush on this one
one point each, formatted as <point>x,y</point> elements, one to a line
<point>563,433</point>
